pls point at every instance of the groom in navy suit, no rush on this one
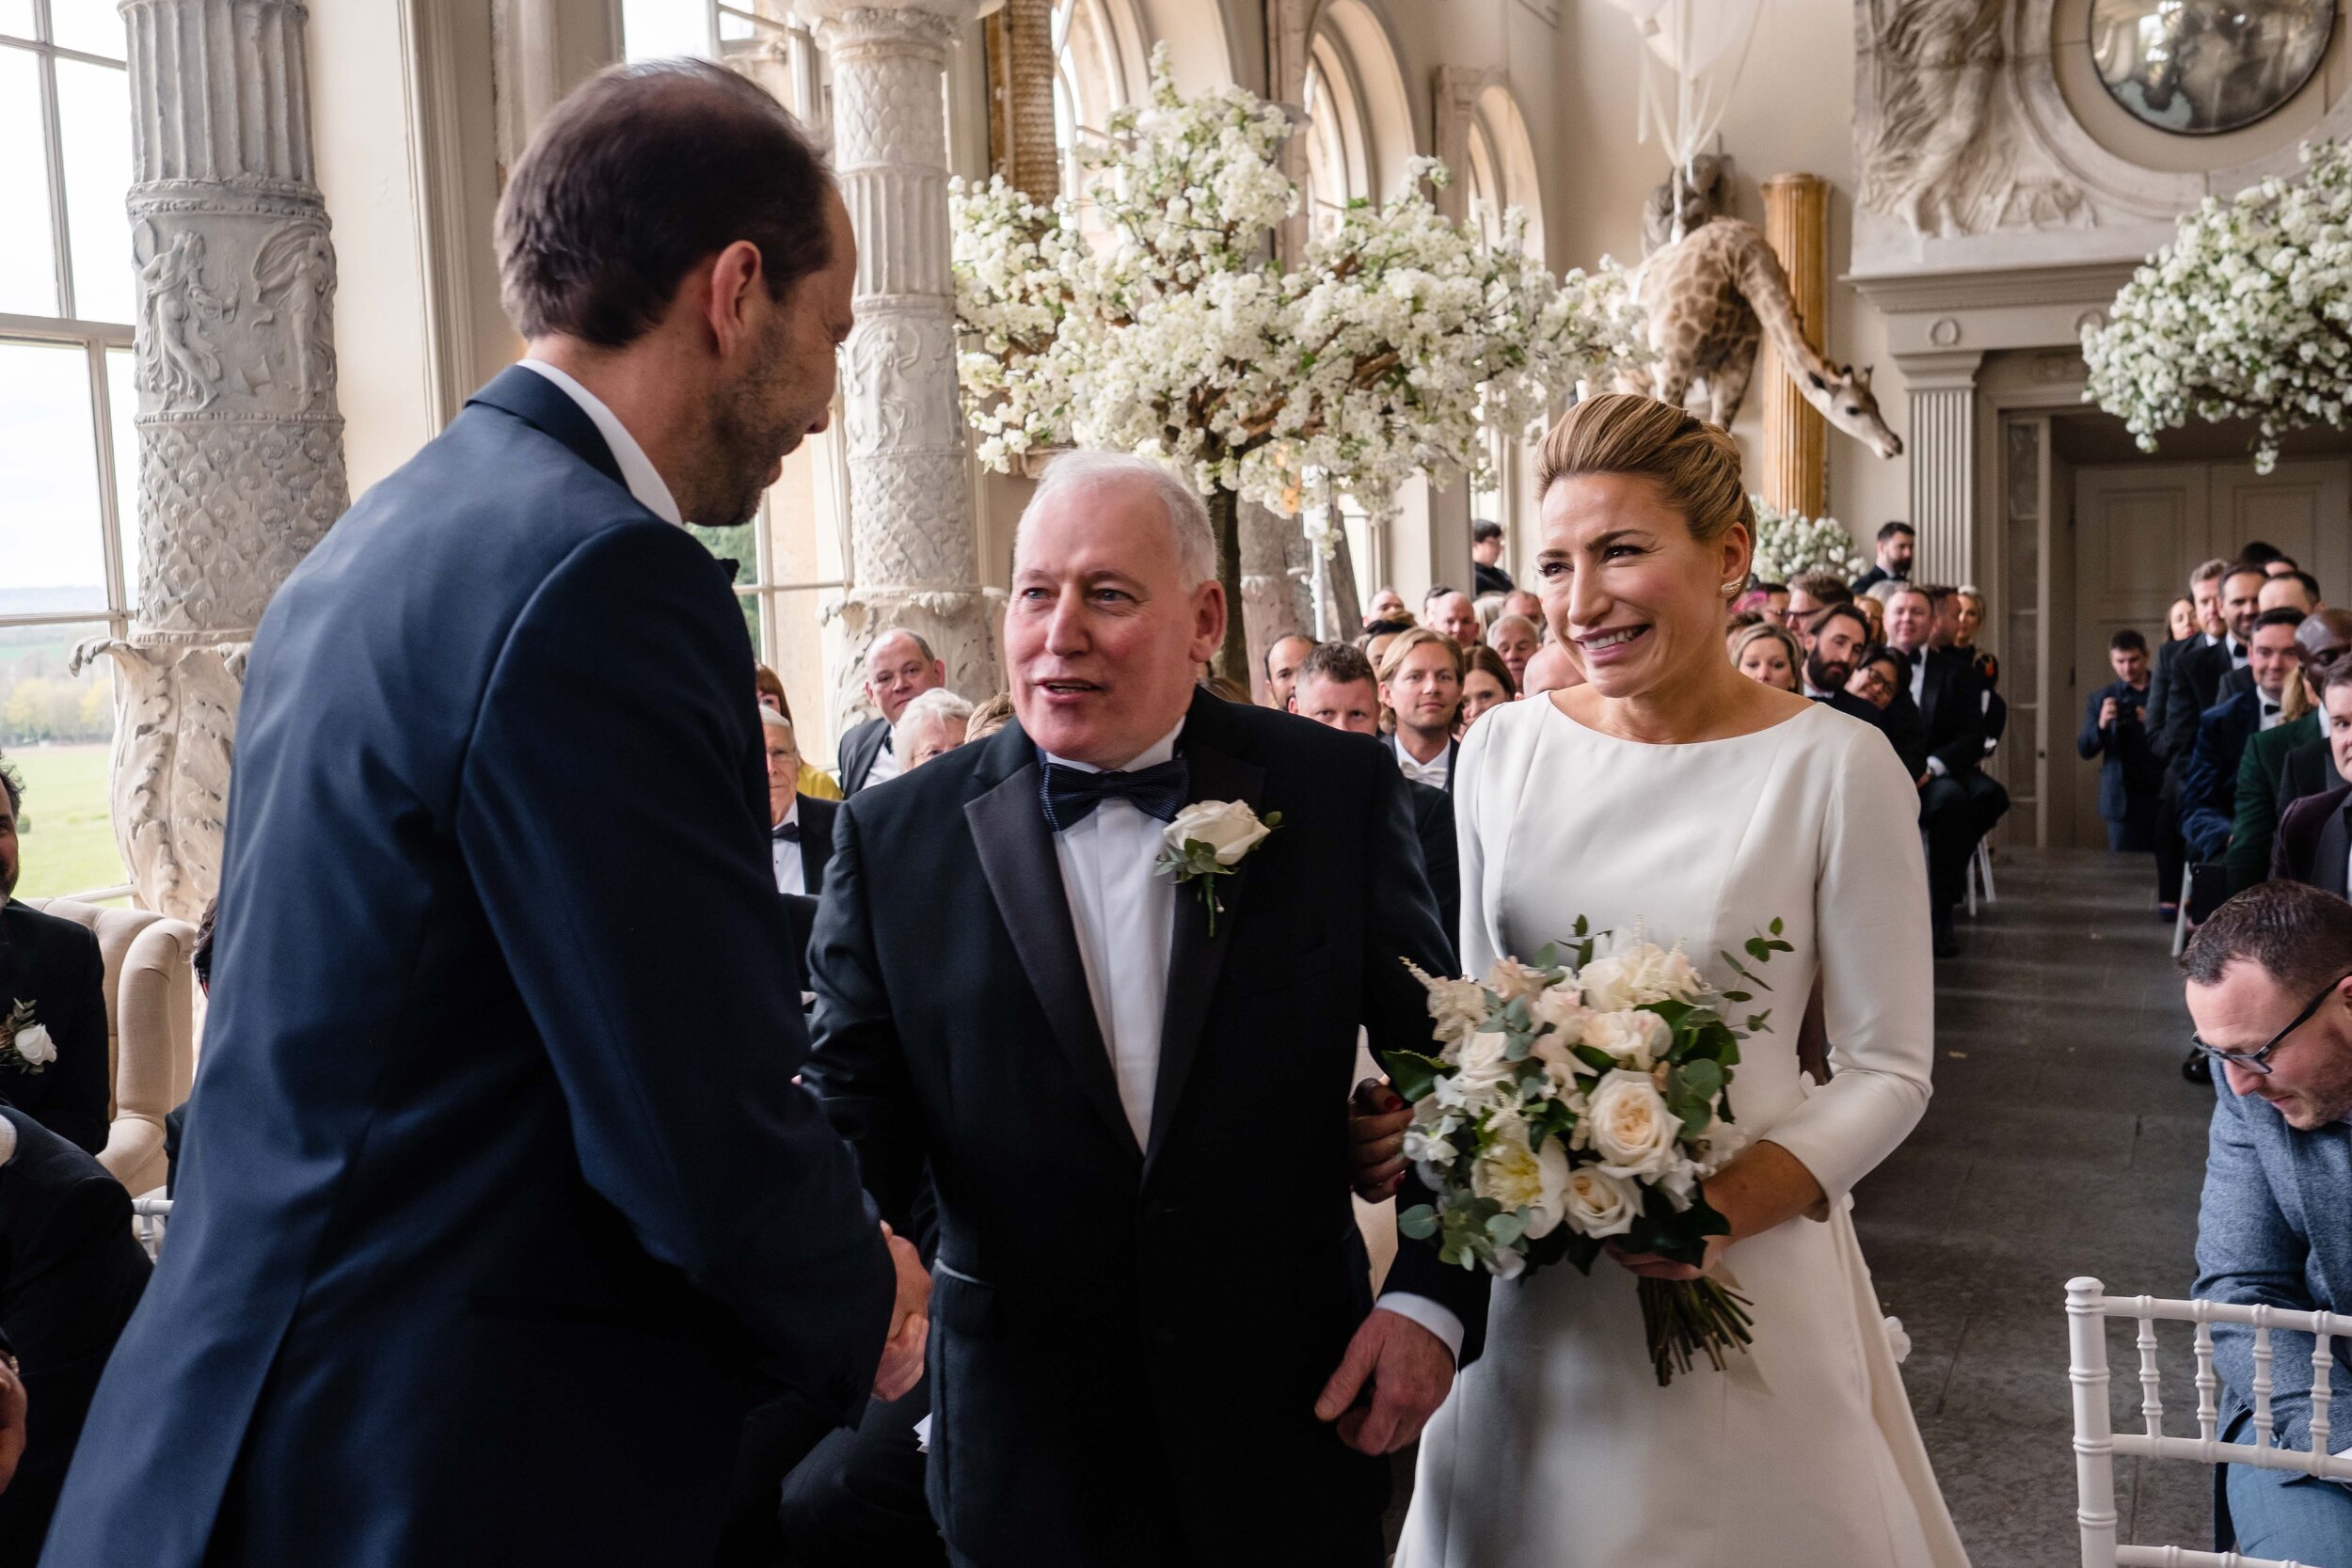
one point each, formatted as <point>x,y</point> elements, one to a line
<point>499,1207</point>
<point>1153,1336</point>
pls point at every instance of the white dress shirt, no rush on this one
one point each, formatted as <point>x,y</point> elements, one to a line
<point>1918,700</point>
<point>2273,714</point>
<point>786,854</point>
<point>885,764</point>
<point>637,470</point>
<point>1433,773</point>
<point>2237,654</point>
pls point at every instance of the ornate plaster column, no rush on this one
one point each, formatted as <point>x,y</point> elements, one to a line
<point>240,458</point>
<point>1021,140</point>
<point>913,558</point>
<point>1796,437</point>
<point>1943,454</point>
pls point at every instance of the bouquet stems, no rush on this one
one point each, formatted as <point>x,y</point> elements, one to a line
<point>1687,1315</point>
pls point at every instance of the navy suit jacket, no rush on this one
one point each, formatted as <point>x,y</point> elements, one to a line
<point>497,1191</point>
<point>2222,730</point>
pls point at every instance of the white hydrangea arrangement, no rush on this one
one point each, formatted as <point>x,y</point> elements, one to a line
<point>1578,1099</point>
<point>2246,314</point>
<point>1144,313</point>
<point>1789,543</point>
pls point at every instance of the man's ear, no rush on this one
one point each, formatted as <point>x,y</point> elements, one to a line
<point>735,272</point>
<point>1209,611</point>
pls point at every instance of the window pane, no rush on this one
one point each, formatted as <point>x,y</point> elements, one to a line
<point>57,730</point>
<point>94,120</point>
<point>28,263</point>
<point>798,658</point>
<point>93,26</point>
<point>52,557</point>
<point>651,29</point>
<point>16,18</point>
<point>122,398</point>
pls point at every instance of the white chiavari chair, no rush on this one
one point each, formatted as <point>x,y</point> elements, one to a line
<point>148,1215</point>
<point>2097,1444</point>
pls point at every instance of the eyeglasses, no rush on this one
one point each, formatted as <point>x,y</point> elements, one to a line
<point>2258,1061</point>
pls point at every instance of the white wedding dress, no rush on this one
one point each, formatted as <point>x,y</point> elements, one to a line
<point>1557,1448</point>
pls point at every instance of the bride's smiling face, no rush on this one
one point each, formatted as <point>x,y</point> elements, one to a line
<point>1625,582</point>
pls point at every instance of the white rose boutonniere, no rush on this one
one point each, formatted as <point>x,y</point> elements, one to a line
<point>1207,840</point>
<point>25,1043</point>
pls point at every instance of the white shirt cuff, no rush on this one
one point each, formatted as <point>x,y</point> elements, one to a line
<point>1439,1320</point>
<point>1935,765</point>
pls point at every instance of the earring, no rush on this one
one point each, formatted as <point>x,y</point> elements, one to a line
<point>1731,590</point>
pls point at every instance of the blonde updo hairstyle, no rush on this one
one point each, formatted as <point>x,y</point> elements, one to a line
<point>1694,465</point>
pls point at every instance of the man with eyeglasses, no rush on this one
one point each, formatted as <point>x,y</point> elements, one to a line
<point>2269,987</point>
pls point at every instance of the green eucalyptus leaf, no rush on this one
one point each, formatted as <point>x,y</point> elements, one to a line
<point>1419,1222</point>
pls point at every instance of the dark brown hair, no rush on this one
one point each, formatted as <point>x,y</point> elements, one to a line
<point>1483,657</point>
<point>1695,465</point>
<point>642,172</point>
<point>1822,587</point>
<point>2299,936</point>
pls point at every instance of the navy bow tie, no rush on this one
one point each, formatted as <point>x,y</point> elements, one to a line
<point>1069,795</point>
<point>787,832</point>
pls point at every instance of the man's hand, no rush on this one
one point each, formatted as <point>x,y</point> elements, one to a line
<point>910,1323</point>
<point>2107,714</point>
<point>1376,1119</point>
<point>1409,1371</point>
<point>11,1420</point>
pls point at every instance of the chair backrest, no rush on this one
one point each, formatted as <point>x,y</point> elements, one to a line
<point>148,1217</point>
<point>2096,1442</point>
<point>149,1028</point>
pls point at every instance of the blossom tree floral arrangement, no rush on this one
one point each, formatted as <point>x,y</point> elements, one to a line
<point>1789,542</point>
<point>1145,313</point>
<point>1580,1100</point>
<point>2246,314</point>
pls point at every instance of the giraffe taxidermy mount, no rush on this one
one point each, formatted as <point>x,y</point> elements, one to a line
<point>1711,296</point>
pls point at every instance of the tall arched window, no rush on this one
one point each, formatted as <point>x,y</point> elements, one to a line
<point>1101,65</point>
<point>1359,122</point>
<point>1502,174</point>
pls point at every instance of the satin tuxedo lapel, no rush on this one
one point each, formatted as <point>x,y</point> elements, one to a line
<point>1016,852</point>
<point>1196,955</point>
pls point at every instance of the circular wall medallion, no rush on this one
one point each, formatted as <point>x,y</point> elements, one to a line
<point>2197,67</point>
<point>1944,333</point>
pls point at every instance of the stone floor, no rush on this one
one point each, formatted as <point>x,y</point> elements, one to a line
<point>2063,1141</point>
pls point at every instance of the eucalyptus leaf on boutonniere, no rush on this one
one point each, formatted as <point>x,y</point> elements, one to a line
<point>25,1043</point>
<point>1208,840</point>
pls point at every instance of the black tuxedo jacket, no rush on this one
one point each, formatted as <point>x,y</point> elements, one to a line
<point>859,748</point>
<point>53,963</point>
<point>1899,721</point>
<point>2160,687</point>
<point>1441,859</point>
<point>498,1082</point>
<point>1951,710</point>
<point>2198,672</point>
<point>1452,757</point>
<point>2314,842</point>
<point>817,818</point>
<point>2307,771</point>
<point>1124,1357</point>
<point>70,1273</point>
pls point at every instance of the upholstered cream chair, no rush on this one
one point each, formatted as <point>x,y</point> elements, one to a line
<point>149,1028</point>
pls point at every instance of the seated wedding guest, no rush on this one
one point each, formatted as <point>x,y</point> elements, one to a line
<point>1810,594</point>
<point>1281,667</point>
<point>2325,640</point>
<point>813,781</point>
<point>71,1271</point>
<point>1449,611</point>
<point>1521,603</point>
<point>1958,803</point>
<point>1485,683</point>
<point>1874,610</point>
<point>1765,652</point>
<point>930,724</point>
<point>2269,989</point>
<point>1516,638</point>
<point>1553,669</point>
<point>987,717</point>
<point>800,827</point>
<point>2285,763</point>
<point>53,1041</point>
<point>2290,590</point>
<point>1421,686</point>
<point>1386,605</point>
<point>2279,565</point>
<point>2209,786</point>
<point>2267,555</point>
<point>1878,679</point>
<point>2115,733</point>
<point>1338,689</point>
<point>2315,837</point>
<point>900,667</point>
<point>1835,648</point>
<point>1897,542</point>
<point>1776,602</point>
<point>1378,637</point>
<point>2180,619</point>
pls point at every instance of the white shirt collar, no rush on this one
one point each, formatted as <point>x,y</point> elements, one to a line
<point>637,470</point>
<point>791,813</point>
<point>1150,756</point>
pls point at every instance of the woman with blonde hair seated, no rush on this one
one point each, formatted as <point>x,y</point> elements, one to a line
<point>1764,652</point>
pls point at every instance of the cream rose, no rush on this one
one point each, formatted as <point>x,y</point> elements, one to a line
<point>34,1044</point>
<point>1562,1009</point>
<point>1636,972</point>
<point>1483,1067</point>
<point>1636,1038</point>
<point>1599,1204</point>
<point>1630,1126</point>
<point>1227,827</point>
<point>1511,981</point>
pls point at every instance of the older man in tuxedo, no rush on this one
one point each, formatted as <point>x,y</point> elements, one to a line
<point>900,667</point>
<point>1124,1083</point>
<point>499,1207</point>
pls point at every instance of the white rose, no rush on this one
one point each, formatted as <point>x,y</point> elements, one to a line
<point>1483,1068</point>
<point>34,1044</point>
<point>1563,1011</point>
<point>1513,979</point>
<point>1630,1127</point>
<point>1639,971</point>
<point>1598,1204</point>
<point>1635,1038</point>
<point>1227,827</point>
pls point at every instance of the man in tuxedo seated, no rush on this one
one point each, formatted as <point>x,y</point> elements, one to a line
<point>2204,595</point>
<point>900,667</point>
<point>2198,674</point>
<point>1958,803</point>
<point>70,1273</point>
<point>2115,732</point>
<point>931,725</point>
<point>52,1004</point>
<point>800,827</point>
<point>2209,788</point>
<point>1421,684</point>
<point>2315,839</point>
<point>1337,689</point>
<point>1088,1054</point>
<point>1282,668</point>
<point>1835,643</point>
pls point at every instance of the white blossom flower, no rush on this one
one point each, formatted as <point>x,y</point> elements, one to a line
<point>33,1043</point>
<point>1637,972</point>
<point>1789,542</point>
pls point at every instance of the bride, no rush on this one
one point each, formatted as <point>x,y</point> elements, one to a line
<point>1672,790</point>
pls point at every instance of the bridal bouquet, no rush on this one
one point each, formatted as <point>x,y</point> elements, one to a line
<point>1579,1098</point>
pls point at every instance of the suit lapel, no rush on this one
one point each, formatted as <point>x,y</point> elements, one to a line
<point>1195,955</point>
<point>547,408</point>
<point>2329,858</point>
<point>1017,855</point>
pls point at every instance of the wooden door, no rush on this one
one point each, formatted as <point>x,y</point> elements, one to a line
<point>2303,507</point>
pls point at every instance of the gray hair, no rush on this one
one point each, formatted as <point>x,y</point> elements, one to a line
<point>1187,514</point>
<point>937,706</point>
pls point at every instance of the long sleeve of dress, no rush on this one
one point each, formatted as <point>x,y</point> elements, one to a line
<point>1877,982</point>
<point>1481,943</point>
